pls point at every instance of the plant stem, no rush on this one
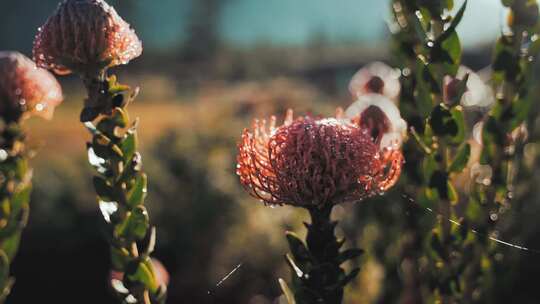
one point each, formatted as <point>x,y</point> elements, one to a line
<point>121,188</point>
<point>324,248</point>
<point>15,188</point>
<point>317,274</point>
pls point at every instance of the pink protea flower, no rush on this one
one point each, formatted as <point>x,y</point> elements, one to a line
<point>25,89</point>
<point>85,36</point>
<point>376,78</point>
<point>312,162</point>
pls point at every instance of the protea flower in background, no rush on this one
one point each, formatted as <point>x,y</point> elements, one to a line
<point>316,163</point>
<point>25,90</point>
<point>85,36</point>
<point>477,94</point>
<point>376,78</point>
<point>88,37</point>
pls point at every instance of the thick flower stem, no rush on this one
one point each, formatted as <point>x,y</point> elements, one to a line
<point>15,188</point>
<point>318,276</point>
<point>121,185</point>
<point>324,248</point>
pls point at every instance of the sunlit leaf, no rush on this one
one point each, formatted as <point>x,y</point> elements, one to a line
<point>460,160</point>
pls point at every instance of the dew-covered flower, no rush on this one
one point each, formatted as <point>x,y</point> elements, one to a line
<point>85,36</point>
<point>25,89</point>
<point>377,78</point>
<point>478,94</point>
<point>313,162</point>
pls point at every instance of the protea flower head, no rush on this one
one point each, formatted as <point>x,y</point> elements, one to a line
<point>85,36</point>
<point>25,89</point>
<point>311,162</point>
<point>376,78</point>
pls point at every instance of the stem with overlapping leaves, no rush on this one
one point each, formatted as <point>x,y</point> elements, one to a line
<point>15,189</point>
<point>121,186</point>
<point>317,275</point>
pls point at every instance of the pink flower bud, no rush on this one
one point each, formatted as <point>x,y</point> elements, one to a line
<point>85,36</point>
<point>25,89</point>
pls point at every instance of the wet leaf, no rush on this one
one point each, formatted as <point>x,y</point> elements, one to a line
<point>103,190</point>
<point>287,291</point>
<point>297,247</point>
<point>134,225</point>
<point>349,254</point>
<point>137,193</point>
<point>144,275</point>
<point>461,159</point>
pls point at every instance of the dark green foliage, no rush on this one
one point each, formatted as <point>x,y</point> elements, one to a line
<point>316,264</point>
<point>121,187</point>
<point>15,188</point>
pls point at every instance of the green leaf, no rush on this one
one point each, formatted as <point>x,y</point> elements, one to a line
<point>461,159</point>
<point>453,195</point>
<point>137,193</point>
<point>297,270</point>
<point>349,254</point>
<point>298,248</point>
<point>120,118</point>
<point>439,182</point>
<point>452,48</point>
<point>21,198</point>
<point>4,271</point>
<point>129,145</point>
<point>10,245</point>
<point>459,119</point>
<point>144,274</point>
<point>120,258</point>
<point>287,291</point>
<point>103,190</point>
<point>349,277</point>
<point>134,225</point>
<point>455,22</point>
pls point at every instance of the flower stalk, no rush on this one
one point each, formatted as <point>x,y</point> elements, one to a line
<point>15,189</point>
<point>25,91</point>
<point>317,275</point>
<point>94,38</point>
<point>121,186</point>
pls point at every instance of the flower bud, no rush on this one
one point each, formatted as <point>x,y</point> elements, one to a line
<point>85,37</point>
<point>25,89</point>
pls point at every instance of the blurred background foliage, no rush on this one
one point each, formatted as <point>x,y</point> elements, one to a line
<point>209,67</point>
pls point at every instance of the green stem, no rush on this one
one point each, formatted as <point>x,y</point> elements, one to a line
<point>317,274</point>
<point>15,188</point>
<point>324,248</point>
<point>121,185</point>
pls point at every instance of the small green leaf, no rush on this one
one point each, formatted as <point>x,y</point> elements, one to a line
<point>459,120</point>
<point>453,195</point>
<point>298,248</point>
<point>455,22</point>
<point>129,145</point>
<point>103,190</point>
<point>287,291</point>
<point>120,118</point>
<point>137,193</point>
<point>461,159</point>
<point>349,277</point>
<point>134,225</point>
<point>10,245</point>
<point>349,254</point>
<point>144,274</point>
<point>120,258</point>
